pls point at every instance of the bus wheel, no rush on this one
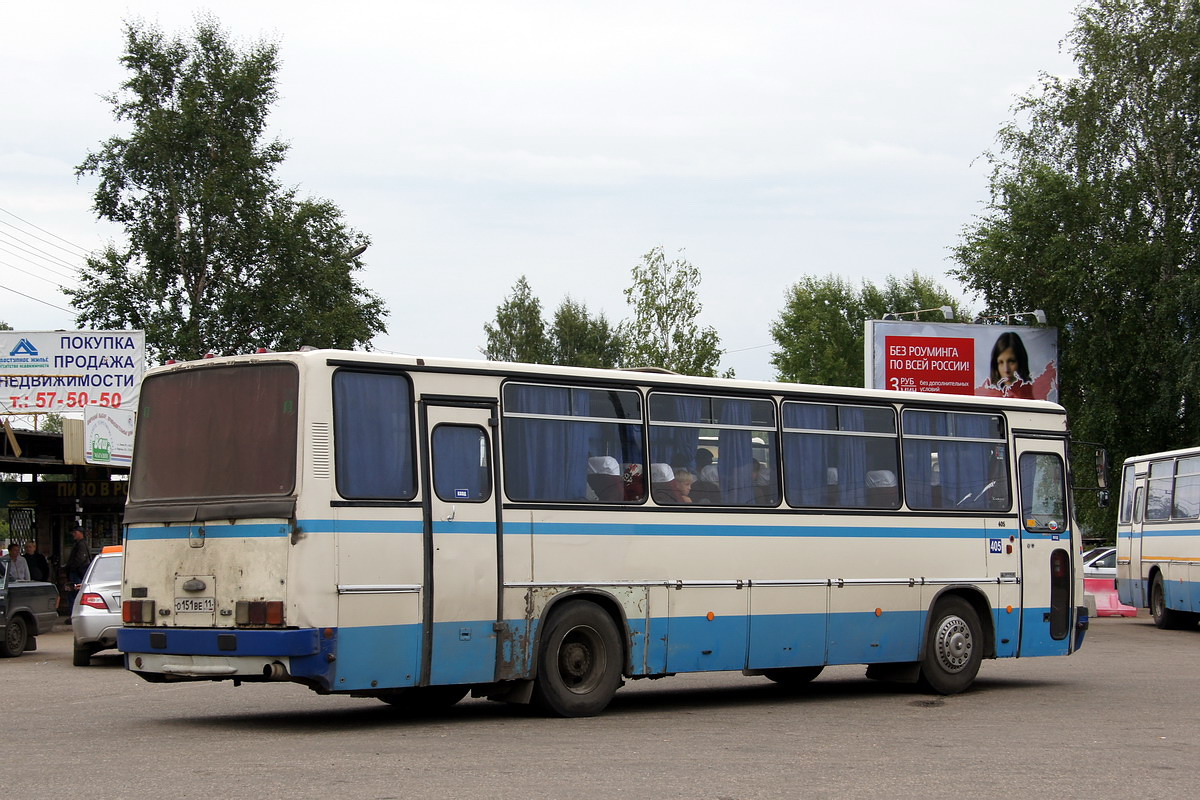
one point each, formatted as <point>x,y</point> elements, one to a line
<point>579,661</point>
<point>425,699</point>
<point>1164,618</point>
<point>15,634</point>
<point>953,649</point>
<point>793,676</point>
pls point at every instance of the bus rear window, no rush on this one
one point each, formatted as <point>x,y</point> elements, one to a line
<point>216,432</point>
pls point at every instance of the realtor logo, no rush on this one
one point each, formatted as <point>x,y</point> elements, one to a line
<point>24,348</point>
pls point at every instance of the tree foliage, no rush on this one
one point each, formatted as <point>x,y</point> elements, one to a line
<point>663,331</point>
<point>573,338</point>
<point>518,333</point>
<point>821,327</point>
<point>218,256</point>
<point>581,340</point>
<point>1093,217</point>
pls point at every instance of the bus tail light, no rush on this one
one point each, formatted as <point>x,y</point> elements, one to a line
<point>93,600</point>
<point>1058,564</point>
<point>137,612</point>
<point>1059,615</point>
<point>259,612</point>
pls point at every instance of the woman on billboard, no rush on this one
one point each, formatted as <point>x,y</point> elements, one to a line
<point>1010,367</point>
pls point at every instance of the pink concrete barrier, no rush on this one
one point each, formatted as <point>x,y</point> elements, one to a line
<point>1107,602</point>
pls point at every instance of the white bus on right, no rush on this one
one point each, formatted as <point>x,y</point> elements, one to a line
<point>1158,536</point>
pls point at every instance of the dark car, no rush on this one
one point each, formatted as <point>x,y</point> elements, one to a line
<point>27,608</point>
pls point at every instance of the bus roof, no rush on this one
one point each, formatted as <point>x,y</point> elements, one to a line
<point>653,377</point>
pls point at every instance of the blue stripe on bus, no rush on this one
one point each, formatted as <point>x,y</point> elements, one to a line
<point>251,531</point>
<point>213,531</point>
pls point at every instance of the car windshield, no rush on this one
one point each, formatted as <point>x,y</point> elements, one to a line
<point>106,569</point>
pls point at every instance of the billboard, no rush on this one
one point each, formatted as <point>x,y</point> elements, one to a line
<point>43,371</point>
<point>108,436</point>
<point>987,360</point>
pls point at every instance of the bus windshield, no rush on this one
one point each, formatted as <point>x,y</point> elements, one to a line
<point>210,432</point>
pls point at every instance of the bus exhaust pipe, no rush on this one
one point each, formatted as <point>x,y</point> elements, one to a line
<point>275,671</point>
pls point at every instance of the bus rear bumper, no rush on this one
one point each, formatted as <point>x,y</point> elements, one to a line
<point>1081,625</point>
<point>302,655</point>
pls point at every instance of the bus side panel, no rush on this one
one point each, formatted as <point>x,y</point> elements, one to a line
<point>379,656</point>
<point>708,629</point>
<point>788,626</point>
<point>874,624</point>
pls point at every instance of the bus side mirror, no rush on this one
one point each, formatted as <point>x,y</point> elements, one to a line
<point>1102,472</point>
<point>1102,499</point>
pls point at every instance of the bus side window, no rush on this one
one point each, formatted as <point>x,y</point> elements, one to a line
<point>1043,498</point>
<point>1127,486</point>
<point>461,467</point>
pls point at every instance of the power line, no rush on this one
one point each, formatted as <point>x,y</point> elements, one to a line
<point>4,249</point>
<point>755,347</point>
<point>36,300</point>
<point>27,272</point>
<point>38,252</point>
<point>83,250</point>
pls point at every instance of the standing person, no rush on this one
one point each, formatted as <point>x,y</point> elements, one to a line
<point>18,570</point>
<point>78,560</point>
<point>39,567</point>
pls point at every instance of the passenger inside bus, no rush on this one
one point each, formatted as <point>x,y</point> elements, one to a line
<point>604,479</point>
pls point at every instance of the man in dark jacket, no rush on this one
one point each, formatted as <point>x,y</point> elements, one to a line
<point>78,560</point>
<point>39,568</point>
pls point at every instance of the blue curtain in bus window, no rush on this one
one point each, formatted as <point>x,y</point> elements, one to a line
<point>805,463</point>
<point>735,453</point>
<point>851,459</point>
<point>965,465</point>
<point>460,464</point>
<point>373,436</point>
<point>675,446</point>
<point>546,459</point>
<point>922,482</point>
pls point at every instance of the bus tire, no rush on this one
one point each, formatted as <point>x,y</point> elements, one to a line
<point>1165,618</point>
<point>953,649</point>
<point>579,661</point>
<point>16,633</point>
<point>793,676</point>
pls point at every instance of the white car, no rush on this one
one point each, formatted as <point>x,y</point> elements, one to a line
<point>1100,563</point>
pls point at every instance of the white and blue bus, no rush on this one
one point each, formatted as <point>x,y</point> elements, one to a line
<point>414,529</point>
<point>1158,536</point>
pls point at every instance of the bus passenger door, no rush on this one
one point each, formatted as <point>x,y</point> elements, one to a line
<point>1131,588</point>
<point>461,533</point>
<point>1045,537</point>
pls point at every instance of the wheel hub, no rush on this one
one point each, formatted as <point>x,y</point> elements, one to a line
<point>954,644</point>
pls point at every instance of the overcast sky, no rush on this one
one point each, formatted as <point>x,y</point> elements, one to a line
<point>476,142</point>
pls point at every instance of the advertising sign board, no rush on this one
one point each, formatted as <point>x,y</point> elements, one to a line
<point>108,436</point>
<point>43,371</point>
<point>987,360</point>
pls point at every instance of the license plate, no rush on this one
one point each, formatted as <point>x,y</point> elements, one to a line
<point>195,605</point>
